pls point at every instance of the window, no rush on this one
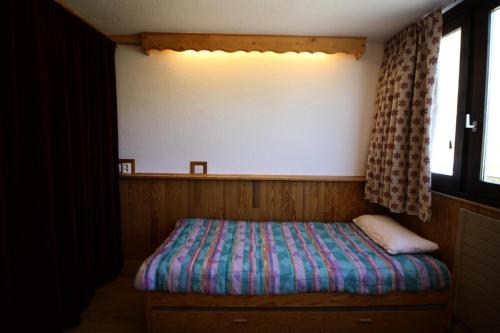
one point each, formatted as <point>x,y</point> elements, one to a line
<point>465,147</point>
<point>444,127</point>
<point>490,169</point>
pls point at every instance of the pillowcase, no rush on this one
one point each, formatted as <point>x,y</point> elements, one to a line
<point>392,236</point>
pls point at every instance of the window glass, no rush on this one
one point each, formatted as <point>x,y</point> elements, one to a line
<point>491,147</point>
<point>445,114</point>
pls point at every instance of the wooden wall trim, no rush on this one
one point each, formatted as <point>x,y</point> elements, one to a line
<point>186,176</point>
<point>133,39</point>
<point>233,43</point>
<point>238,42</point>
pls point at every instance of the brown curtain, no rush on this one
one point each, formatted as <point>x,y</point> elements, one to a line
<point>398,171</point>
<point>59,201</point>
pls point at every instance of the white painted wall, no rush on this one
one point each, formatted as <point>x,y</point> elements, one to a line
<point>246,113</point>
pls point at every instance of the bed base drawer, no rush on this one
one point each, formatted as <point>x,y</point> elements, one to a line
<point>298,321</point>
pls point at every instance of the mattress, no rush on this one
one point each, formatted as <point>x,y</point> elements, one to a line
<point>223,257</point>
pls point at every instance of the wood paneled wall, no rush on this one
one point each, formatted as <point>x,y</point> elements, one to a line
<point>150,207</point>
<point>442,228</point>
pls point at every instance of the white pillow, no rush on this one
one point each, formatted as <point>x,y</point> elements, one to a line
<point>392,236</point>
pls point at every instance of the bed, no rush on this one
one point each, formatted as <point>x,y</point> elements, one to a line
<point>218,276</point>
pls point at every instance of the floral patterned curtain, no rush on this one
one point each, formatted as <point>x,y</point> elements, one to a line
<point>398,173</point>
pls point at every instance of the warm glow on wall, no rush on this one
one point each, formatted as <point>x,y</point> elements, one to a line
<point>218,54</point>
<point>267,54</point>
<point>247,112</point>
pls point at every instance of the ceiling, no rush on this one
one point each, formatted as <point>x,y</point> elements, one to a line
<point>376,19</point>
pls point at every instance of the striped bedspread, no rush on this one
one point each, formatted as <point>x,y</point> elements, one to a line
<point>270,258</point>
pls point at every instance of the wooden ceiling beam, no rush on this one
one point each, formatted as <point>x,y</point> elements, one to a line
<point>232,43</point>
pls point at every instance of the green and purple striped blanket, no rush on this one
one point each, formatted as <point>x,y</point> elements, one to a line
<point>270,258</point>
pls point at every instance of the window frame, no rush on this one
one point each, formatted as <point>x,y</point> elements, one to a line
<point>473,18</point>
<point>452,21</point>
<point>478,82</point>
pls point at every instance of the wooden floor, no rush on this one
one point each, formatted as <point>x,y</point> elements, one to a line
<point>116,308</point>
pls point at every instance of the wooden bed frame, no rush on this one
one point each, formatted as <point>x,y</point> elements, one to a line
<point>299,313</point>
